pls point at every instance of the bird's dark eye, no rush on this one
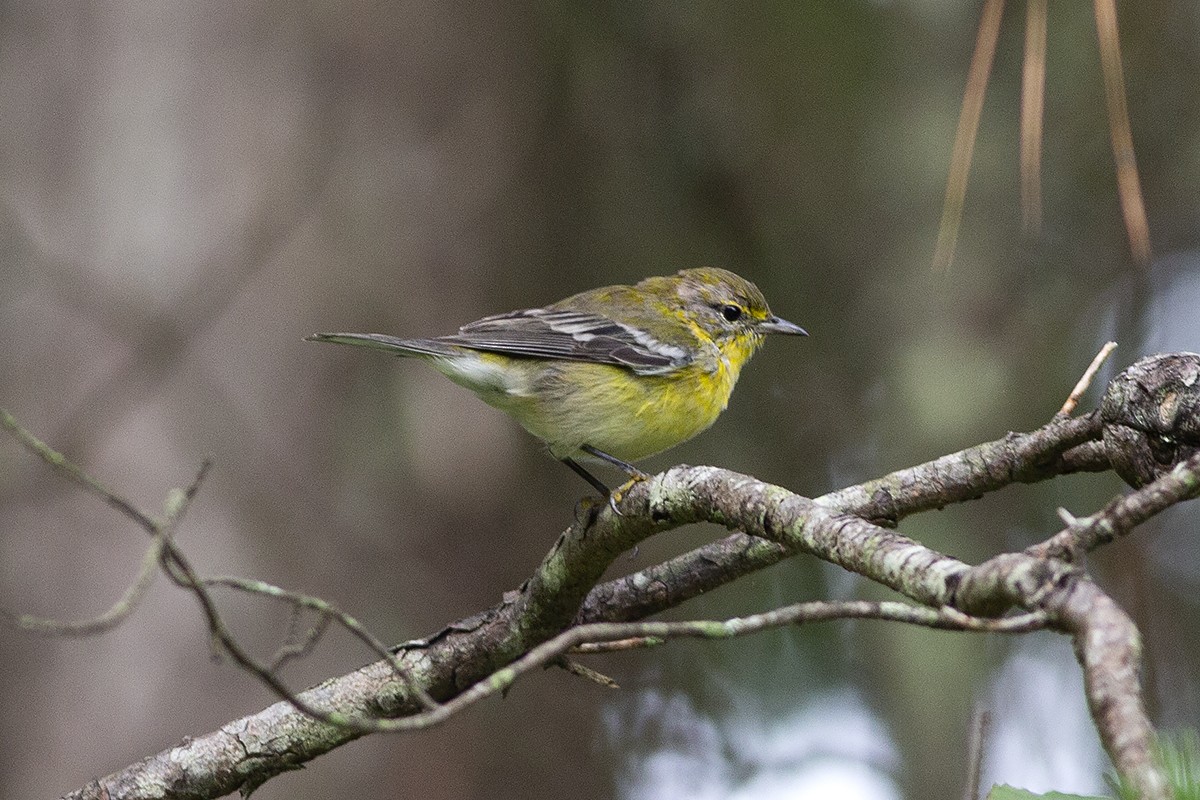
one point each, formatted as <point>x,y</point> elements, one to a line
<point>731,313</point>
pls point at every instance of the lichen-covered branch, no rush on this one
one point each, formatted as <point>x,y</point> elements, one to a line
<point>1061,447</point>
<point>850,527</point>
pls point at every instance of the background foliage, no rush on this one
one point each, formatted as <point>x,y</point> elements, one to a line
<point>188,189</point>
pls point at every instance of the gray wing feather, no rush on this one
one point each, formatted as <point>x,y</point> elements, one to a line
<point>571,336</point>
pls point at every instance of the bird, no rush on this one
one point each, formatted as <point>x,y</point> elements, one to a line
<point>610,375</point>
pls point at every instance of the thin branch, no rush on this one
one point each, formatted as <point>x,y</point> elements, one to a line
<point>179,570</point>
<point>115,615</point>
<point>60,463</point>
<point>1124,513</point>
<point>621,645</point>
<point>324,609</point>
<point>174,509</point>
<point>948,619</point>
<point>299,644</point>
<point>1108,647</point>
<point>988,467</point>
<point>587,673</point>
<point>1089,374</point>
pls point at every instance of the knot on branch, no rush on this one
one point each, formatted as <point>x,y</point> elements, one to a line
<point>1011,579</point>
<point>1151,416</point>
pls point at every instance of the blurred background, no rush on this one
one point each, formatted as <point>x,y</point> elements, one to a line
<point>187,189</point>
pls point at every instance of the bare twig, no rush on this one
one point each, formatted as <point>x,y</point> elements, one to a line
<point>325,610</point>
<point>60,463</point>
<point>301,639</point>
<point>1089,374</point>
<point>115,615</point>
<point>181,572</point>
<point>178,568</point>
<point>798,614</point>
<point>636,643</point>
<point>586,672</point>
<point>175,507</point>
<point>1123,513</point>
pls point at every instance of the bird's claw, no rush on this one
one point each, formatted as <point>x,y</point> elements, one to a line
<point>618,494</point>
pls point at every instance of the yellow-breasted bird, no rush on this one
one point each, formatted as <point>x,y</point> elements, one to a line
<point>616,373</point>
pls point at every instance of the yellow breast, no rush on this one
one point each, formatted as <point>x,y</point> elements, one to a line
<point>626,415</point>
<point>568,404</point>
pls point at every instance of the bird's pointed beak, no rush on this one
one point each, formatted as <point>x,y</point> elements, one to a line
<point>777,325</point>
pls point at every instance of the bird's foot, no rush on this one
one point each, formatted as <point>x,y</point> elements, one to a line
<point>618,494</point>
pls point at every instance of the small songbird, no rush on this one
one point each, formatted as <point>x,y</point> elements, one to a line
<point>613,374</point>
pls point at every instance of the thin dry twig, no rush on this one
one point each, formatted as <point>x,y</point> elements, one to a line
<point>1089,374</point>
<point>159,530</point>
<point>325,610</point>
<point>60,463</point>
<point>117,613</point>
<point>301,639</point>
<point>636,643</point>
<point>179,570</point>
<point>797,614</point>
<point>587,673</point>
<point>1122,514</point>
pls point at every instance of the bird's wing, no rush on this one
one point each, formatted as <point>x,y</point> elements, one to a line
<point>572,336</point>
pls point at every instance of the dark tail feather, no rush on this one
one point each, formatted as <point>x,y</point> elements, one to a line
<point>390,344</point>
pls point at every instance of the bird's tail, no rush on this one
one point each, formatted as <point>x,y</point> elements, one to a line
<point>390,344</point>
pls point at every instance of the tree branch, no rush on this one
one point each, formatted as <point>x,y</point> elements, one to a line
<point>483,654</point>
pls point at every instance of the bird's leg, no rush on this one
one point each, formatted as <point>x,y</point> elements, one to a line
<point>629,469</point>
<point>592,480</point>
<point>635,474</point>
